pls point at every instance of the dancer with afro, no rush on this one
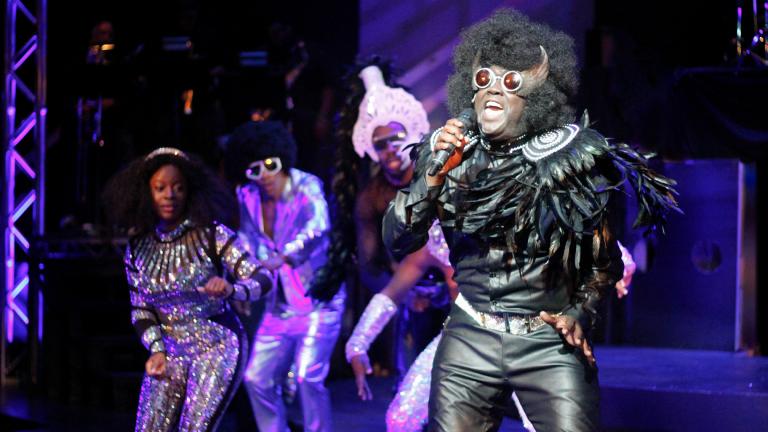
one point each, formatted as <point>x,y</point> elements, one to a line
<point>284,220</point>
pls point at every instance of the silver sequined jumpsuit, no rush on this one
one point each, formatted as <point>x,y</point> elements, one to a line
<point>204,343</point>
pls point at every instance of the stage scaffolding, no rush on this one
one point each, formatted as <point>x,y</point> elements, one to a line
<point>23,191</point>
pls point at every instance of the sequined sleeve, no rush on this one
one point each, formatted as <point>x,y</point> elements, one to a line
<point>143,316</point>
<point>311,235</point>
<point>437,245</point>
<point>252,280</point>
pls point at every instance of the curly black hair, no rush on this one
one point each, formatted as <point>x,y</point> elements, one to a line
<point>510,40</point>
<point>253,141</point>
<point>128,198</point>
<point>348,177</point>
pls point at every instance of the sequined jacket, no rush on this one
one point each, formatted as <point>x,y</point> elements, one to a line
<point>494,273</point>
<point>164,271</point>
<point>300,235</point>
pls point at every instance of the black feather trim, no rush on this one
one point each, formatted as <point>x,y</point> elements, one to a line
<point>564,194</point>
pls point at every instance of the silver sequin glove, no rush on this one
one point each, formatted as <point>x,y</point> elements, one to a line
<point>376,315</point>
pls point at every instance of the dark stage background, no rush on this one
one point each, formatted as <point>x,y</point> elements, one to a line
<point>662,76</point>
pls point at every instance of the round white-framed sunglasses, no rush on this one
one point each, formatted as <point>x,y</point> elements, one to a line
<point>262,168</point>
<point>511,81</point>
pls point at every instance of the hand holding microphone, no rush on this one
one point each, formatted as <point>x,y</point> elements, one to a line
<point>450,143</point>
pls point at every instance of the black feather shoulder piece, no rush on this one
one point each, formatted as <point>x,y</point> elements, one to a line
<point>554,189</point>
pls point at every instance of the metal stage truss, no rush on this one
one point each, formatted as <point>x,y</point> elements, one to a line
<point>23,196</point>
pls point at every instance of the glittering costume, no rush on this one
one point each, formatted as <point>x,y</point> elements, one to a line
<point>381,308</point>
<point>381,106</point>
<point>375,266</point>
<point>408,410</point>
<point>201,336</point>
<point>296,329</point>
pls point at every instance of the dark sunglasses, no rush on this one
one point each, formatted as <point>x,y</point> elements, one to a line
<point>383,143</point>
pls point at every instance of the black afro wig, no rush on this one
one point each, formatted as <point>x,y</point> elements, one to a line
<point>256,141</point>
<point>510,40</point>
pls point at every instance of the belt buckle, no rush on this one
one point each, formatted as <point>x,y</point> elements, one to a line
<point>527,324</point>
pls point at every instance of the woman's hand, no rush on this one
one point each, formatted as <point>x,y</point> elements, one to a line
<point>622,286</point>
<point>216,287</point>
<point>156,365</point>
<point>361,366</point>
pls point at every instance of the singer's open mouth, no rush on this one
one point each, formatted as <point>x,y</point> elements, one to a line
<point>493,105</point>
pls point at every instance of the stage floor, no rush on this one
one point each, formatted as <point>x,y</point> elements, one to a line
<point>643,389</point>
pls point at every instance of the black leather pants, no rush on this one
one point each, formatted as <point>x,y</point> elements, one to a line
<point>476,370</point>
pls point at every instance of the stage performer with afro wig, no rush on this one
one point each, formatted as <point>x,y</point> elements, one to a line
<point>522,202</point>
<point>284,221</point>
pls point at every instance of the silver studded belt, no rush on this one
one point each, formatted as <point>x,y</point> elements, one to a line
<point>502,322</point>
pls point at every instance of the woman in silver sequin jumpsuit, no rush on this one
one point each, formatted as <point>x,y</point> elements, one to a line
<point>182,268</point>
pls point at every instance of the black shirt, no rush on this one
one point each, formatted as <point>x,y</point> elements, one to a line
<point>490,276</point>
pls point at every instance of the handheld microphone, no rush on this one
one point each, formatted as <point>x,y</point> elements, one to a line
<point>468,119</point>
